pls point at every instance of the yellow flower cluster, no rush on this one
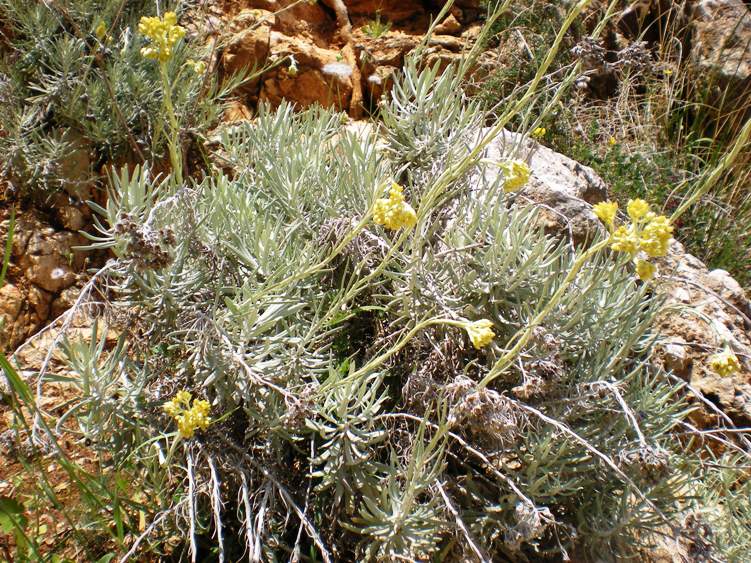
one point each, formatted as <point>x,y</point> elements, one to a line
<point>480,332</point>
<point>539,133</point>
<point>188,418</point>
<point>648,232</point>
<point>101,30</point>
<point>394,213</point>
<point>515,174</point>
<point>162,34</point>
<point>725,363</point>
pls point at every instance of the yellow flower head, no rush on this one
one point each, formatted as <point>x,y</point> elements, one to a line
<point>539,133</point>
<point>199,67</point>
<point>612,141</point>
<point>515,174</point>
<point>624,239</point>
<point>725,363</point>
<point>637,209</point>
<point>101,30</point>
<point>645,270</point>
<point>188,418</point>
<point>480,332</point>
<point>655,236</point>
<point>605,211</point>
<point>394,213</point>
<point>162,34</point>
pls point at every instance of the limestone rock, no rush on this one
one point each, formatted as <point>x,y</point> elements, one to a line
<point>449,26</point>
<point>40,302</point>
<point>43,273</point>
<point>390,10</point>
<point>319,76</point>
<point>721,55</point>
<point>675,355</point>
<point>64,301</point>
<point>707,311</point>
<point>11,300</point>
<point>72,216</point>
<point>248,48</point>
<point>50,260</point>
<point>722,38</point>
<point>563,189</point>
<point>235,111</point>
<point>388,50</point>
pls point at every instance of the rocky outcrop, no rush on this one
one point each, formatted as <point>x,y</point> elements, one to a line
<point>563,189</point>
<point>44,274</point>
<point>705,311</point>
<point>721,40</point>
<point>312,57</point>
<point>309,75</point>
<point>721,55</point>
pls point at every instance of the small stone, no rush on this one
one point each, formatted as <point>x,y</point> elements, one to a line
<point>682,294</point>
<point>10,302</point>
<point>449,26</point>
<point>50,272</point>
<point>40,300</point>
<point>248,48</point>
<point>68,214</point>
<point>676,358</point>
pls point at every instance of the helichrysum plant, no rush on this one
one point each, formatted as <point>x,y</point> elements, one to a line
<point>412,375</point>
<point>331,345</point>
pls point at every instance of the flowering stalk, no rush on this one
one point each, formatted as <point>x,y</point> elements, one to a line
<point>163,34</point>
<point>726,162</point>
<point>522,337</point>
<point>394,213</point>
<point>479,332</point>
<point>175,151</point>
<point>451,174</point>
<point>189,414</point>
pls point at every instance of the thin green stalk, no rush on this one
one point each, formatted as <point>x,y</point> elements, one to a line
<point>456,171</point>
<point>522,336</point>
<point>379,360</point>
<point>338,249</point>
<point>174,138</point>
<point>713,177</point>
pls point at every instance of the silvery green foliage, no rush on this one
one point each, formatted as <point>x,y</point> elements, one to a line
<point>232,286</point>
<point>110,389</point>
<point>429,124</point>
<point>402,517</point>
<point>71,101</point>
<point>346,421</point>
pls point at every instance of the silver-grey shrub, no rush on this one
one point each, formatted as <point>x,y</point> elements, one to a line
<point>259,289</point>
